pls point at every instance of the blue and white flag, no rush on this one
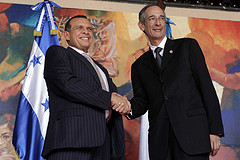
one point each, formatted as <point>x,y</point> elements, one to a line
<point>33,113</point>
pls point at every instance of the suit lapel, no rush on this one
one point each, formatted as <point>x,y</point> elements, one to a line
<point>105,71</point>
<point>101,67</point>
<point>86,62</point>
<point>168,53</point>
<point>149,61</point>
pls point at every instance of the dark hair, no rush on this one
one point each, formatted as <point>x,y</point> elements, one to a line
<point>142,14</point>
<point>68,26</point>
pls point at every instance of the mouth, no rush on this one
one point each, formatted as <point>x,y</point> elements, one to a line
<point>84,38</point>
<point>157,30</point>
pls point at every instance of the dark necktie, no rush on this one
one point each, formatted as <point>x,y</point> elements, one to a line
<point>158,57</point>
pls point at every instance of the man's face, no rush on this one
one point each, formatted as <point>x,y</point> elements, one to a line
<point>80,34</point>
<point>155,24</point>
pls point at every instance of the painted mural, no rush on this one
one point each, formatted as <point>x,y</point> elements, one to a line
<point>118,43</point>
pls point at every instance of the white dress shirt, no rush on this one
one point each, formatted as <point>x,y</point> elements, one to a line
<point>101,72</point>
<point>161,45</point>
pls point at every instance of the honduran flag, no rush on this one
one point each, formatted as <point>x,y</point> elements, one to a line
<point>33,113</point>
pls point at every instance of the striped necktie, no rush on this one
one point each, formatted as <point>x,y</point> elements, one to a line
<point>108,113</point>
<point>96,69</point>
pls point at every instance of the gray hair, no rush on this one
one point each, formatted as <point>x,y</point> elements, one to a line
<point>142,14</point>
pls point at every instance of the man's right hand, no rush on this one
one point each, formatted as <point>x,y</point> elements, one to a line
<point>120,103</point>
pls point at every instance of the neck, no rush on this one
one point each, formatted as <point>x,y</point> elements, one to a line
<point>82,49</point>
<point>85,50</point>
<point>155,42</point>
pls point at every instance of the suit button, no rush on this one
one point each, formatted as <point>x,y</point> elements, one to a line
<point>166,98</point>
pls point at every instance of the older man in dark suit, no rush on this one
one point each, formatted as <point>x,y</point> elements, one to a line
<point>172,82</point>
<point>82,124</point>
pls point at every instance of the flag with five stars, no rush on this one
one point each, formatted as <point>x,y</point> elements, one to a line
<point>33,113</point>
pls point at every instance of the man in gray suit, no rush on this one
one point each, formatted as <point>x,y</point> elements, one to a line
<point>82,123</point>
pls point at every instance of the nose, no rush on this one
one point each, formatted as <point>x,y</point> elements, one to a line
<point>158,21</point>
<point>85,31</point>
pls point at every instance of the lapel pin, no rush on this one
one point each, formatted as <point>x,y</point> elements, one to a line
<point>171,51</point>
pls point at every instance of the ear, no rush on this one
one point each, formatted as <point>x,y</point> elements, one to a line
<point>66,35</point>
<point>141,26</point>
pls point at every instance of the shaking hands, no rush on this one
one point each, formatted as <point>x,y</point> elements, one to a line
<point>120,104</point>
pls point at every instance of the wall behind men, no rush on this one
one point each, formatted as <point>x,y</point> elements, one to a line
<point>134,8</point>
<point>216,31</point>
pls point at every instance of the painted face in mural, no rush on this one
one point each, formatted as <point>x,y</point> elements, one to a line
<point>6,142</point>
<point>155,24</point>
<point>80,34</point>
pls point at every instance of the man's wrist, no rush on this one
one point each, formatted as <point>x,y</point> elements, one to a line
<point>128,115</point>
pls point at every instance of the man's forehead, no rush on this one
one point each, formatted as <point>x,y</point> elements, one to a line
<point>80,21</point>
<point>154,11</point>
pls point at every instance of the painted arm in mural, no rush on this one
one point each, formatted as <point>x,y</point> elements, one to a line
<point>223,64</point>
<point>228,80</point>
<point>231,77</point>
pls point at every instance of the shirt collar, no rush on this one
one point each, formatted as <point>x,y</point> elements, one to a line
<point>162,45</point>
<point>78,50</point>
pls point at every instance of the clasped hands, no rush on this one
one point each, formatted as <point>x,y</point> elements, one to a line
<point>120,103</point>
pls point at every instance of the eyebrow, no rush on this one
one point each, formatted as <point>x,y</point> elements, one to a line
<point>78,25</point>
<point>155,16</point>
<point>5,133</point>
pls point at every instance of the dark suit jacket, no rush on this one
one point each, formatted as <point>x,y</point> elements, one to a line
<point>184,87</point>
<point>77,104</point>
